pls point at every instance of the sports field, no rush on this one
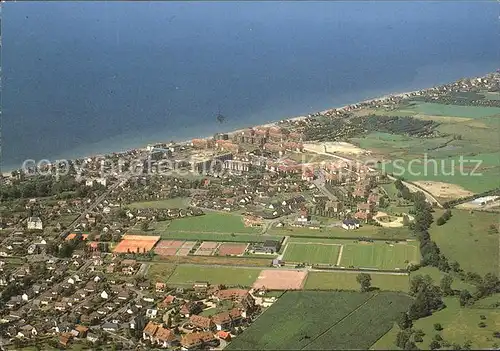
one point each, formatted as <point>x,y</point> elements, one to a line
<point>347,281</point>
<point>373,255</point>
<point>467,238</point>
<point>230,276</point>
<point>274,279</point>
<point>312,253</point>
<point>379,255</point>
<point>323,321</point>
<point>136,243</point>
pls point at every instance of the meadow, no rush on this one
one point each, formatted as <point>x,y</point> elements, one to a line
<point>459,325</point>
<point>436,276</point>
<point>336,280</point>
<point>311,253</point>
<point>468,131</point>
<point>322,320</point>
<point>230,276</point>
<point>466,238</point>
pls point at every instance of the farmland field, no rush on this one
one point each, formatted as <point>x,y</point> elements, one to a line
<point>230,276</point>
<point>459,325</point>
<point>379,255</point>
<point>312,253</point>
<point>323,320</point>
<point>347,281</point>
<point>466,238</point>
<point>211,223</point>
<point>434,109</point>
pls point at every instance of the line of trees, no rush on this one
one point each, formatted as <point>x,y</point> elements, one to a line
<point>444,217</point>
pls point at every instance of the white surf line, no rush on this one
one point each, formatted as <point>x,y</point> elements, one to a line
<point>340,255</point>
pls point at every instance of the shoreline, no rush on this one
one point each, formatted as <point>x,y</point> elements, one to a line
<point>385,97</point>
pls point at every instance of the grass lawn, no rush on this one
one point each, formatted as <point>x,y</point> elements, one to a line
<point>366,231</point>
<point>492,301</point>
<point>311,253</point>
<point>391,191</point>
<point>323,321</point>
<point>230,276</point>
<point>177,202</point>
<point>160,272</point>
<point>243,238</point>
<point>459,325</point>
<point>347,281</point>
<point>225,306</point>
<point>465,239</point>
<point>211,222</point>
<point>379,255</point>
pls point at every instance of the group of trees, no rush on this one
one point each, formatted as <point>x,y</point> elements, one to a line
<point>444,217</point>
<point>46,185</point>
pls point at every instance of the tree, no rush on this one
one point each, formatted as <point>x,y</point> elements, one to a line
<point>434,345</point>
<point>403,337</point>
<point>404,322</point>
<point>445,284</point>
<point>144,226</point>
<point>465,297</point>
<point>438,326</point>
<point>365,280</point>
<point>410,345</point>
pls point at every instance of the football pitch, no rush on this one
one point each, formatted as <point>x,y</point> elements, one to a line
<point>312,253</point>
<point>379,255</point>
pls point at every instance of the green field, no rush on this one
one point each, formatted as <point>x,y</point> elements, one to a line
<point>468,131</point>
<point>436,276</point>
<point>209,223</point>
<point>230,276</point>
<point>160,272</point>
<point>366,231</point>
<point>460,325</point>
<point>448,170</point>
<point>323,321</point>
<point>347,281</point>
<point>177,202</point>
<point>312,253</point>
<point>429,108</point>
<point>242,238</point>
<point>379,255</point>
<point>465,239</point>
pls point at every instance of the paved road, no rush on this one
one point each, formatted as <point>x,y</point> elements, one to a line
<point>90,208</point>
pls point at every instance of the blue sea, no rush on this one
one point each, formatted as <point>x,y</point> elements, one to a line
<point>83,78</point>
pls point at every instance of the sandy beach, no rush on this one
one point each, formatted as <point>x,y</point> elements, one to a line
<point>7,172</point>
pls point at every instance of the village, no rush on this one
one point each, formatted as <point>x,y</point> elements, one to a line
<point>77,250</point>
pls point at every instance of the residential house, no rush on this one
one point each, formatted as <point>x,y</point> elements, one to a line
<point>35,223</point>
<point>202,322</point>
<point>194,341</point>
<point>190,308</point>
<point>350,224</point>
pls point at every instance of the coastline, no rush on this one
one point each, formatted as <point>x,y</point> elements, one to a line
<point>7,171</point>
